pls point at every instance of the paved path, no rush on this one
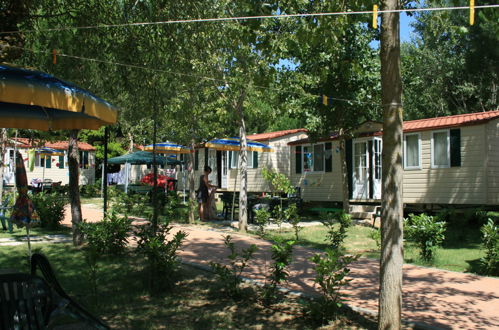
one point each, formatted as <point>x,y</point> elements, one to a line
<point>439,298</point>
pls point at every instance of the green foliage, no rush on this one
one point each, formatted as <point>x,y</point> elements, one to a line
<point>230,275</point>
<point>160,252</point>
<point>331,271</point>
<point>50,208</point>
<point>335,237</point>
<point>262,217</point>
<point>490,263</point>
<point>426,232</point>
<point>128,203</point>
<point>90,190</point>
<point>279,183</point>
<point>375,235</point>
<point>173,209</point>
<point>279,216</point>
<point>446,68</point>
<point>282,255</point>
<point>109,235</point>
<point>291,215</point>
<point>91,255</point>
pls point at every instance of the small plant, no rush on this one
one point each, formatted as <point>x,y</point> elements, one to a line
<point>331,272</point>
<point>279,216</point>
<point>282,254</point>
<point>161,255</point>
<point>291,215</point>
<point>426,232</point>
<point>335,237</point>
<point>230,275</point>
<point>133,204</point>
<point>109,235</point>
<point>261,219</point>
<point>91,258</point>
<point>375,235</point>
<point>50,208</point>
<point>490,263</point>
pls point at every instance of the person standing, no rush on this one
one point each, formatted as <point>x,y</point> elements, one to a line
<point>204,194</point>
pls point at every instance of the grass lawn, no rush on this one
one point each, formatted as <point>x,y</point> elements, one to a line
<point>20,233</point>
<point>197,302</point>
<point>460,251</point>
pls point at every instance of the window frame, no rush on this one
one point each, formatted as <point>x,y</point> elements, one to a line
<point>312,147</point>
<point>234,157</point>
<point>412,167</point>
<point>433,165</point>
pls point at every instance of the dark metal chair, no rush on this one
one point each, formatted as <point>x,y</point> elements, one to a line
<point>25,301</point>
<point>70,307</point>
<point>227,199</point>
<point>28,301</point>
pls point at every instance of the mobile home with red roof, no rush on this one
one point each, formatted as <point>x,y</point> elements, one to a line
<point>451,160</point>
<point>54,168</point>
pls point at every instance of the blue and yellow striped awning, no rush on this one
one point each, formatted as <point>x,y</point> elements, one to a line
<point>168,148</point>
<point>234,144</point>
<point>49,152</point>
<point>36,100</point>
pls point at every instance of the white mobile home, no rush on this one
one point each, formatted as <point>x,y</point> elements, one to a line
<point>50,167</point>
<point>447,160</point>
<point>225,163</point>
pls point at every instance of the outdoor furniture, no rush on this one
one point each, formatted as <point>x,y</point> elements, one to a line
<point>377,214</point>
<point>29,301</point>
<point>3,218</point>
<point>227,198</point>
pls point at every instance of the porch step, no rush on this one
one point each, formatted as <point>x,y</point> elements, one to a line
<point>361,215</point>
<point>362,208</point>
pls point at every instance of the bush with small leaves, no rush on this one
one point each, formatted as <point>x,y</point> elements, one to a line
<point>282,255</point>
<point>335,237</point>
<point>109,235</point>
<point>262,217</point>
<point>490,262</point>
<point>375,234</point>
<point>230,275</point>
<point>160,252</point>
<point>50,208</point>
<point>331,272</point>
<point>291,215</point>
<point>426,232</point>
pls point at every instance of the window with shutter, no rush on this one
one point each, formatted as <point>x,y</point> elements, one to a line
<point>455,147</point>
<point>328,156</point>
<point>298,156</point>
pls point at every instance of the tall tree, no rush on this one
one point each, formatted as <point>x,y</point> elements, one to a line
<point>390,291</point>
<point>451,67</point>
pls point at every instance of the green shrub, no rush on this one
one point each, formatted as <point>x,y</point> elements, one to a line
<point>335,237</point>
<point>490,263</point>
<point>109,235</point>
<point>426,232</point>
<point>291,215</point>
<point>375,235</point>
<point>161,255</point>
<point>331,271</point>
<point>230,275</point>
<point>172,208</point>
<point>132,204</point>
<point>262,217</point>
<point>282,255</point>
<point>50,208</point>
<point>90,190</point>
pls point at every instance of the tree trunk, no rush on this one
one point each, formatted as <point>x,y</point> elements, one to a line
<point>390,291</point>
<point>3,148</point>
<point>74,191</point>
<point>243,163</point>
<point>192,192</point>
<point>344,174</point>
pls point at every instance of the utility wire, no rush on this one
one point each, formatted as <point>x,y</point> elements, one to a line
<point>242,18</point>
<point>141,67</point>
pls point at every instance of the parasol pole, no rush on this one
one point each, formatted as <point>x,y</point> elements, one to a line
<point>126,177</point>
<point>29,241</point>
<point>15,167</point>
<point>43,171</point>
<point>104,171</point>
<point>183,180</point>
